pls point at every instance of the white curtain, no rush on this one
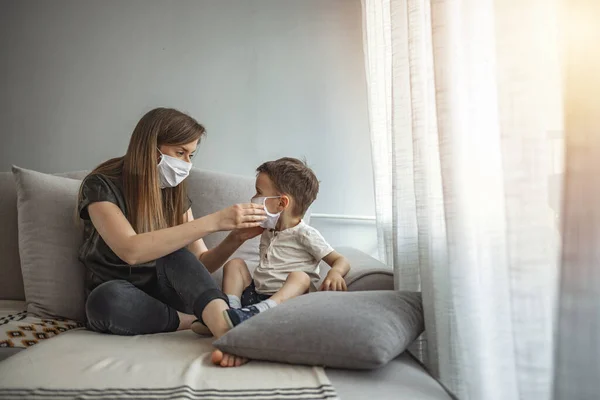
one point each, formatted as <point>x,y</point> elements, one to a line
<point>578,335</point>
<point>466,125</point>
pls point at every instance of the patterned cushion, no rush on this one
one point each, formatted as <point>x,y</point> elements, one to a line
<point>20,329</point>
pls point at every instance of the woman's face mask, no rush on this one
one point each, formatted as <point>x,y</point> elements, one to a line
<point>172,171</point>
<point>272,218</point>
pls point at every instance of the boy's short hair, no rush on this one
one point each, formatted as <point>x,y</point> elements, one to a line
<point>293,177</point>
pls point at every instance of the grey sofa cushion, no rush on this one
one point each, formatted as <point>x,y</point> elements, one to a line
<point>74,174</point>
<point>49,240</point>
<point>354,330</point>
<point>213,191</point>
<point>11,280</point>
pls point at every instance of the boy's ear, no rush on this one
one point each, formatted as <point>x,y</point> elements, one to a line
<point>284,202</point>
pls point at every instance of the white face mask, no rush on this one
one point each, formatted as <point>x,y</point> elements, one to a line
<point>272,218</point>
<point>172,171</point>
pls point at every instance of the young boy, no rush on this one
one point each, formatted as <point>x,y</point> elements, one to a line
<point>290,250</point>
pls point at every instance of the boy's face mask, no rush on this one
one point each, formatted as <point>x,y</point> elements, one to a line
<point>172,171</point>
<point>272,218</point>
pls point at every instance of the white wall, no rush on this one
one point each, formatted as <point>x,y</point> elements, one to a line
<point>268,78</point>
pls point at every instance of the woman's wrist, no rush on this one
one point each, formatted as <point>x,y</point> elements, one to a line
<point>210,222</point>
<point>236,237</point>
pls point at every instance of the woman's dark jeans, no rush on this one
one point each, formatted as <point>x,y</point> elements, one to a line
<point>183,284</point>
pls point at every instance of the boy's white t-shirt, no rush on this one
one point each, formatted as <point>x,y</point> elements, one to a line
<point>300,248</point>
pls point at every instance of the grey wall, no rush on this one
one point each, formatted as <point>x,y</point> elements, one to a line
<point>268,78</point>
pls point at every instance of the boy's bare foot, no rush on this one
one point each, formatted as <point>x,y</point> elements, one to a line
<point>227,360</point>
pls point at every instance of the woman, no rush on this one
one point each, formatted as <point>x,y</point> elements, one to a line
<point>148,270</point>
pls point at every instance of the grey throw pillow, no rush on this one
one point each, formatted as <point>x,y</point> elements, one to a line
<point>354,330</point>
<point>49,240</point>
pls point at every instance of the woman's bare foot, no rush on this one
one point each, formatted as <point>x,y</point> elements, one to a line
<point>214,319</point>
<point>227,360</point>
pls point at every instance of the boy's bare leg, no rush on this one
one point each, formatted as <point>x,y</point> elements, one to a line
<point>296,284</point>
<point>236,277</point>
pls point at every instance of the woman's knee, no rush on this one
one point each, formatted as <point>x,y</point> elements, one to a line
<point>104,301</point>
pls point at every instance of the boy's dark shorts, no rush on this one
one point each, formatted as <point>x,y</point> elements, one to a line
<point>250,297</point>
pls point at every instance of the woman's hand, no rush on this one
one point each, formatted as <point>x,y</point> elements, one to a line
<point>214,258</point>
<point>247,233</point>
<point>240,216</point>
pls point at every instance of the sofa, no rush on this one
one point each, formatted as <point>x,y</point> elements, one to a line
<point>50,356</point>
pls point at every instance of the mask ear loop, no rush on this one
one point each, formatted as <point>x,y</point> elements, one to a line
<point>161,158</point>
<point>270,214</point>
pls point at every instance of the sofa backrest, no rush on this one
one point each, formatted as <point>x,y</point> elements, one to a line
<point>209,191</point>
<point>11,280</point>
<point>213,191</point>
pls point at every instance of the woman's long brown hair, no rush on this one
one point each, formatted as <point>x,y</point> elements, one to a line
<point>148,206</point>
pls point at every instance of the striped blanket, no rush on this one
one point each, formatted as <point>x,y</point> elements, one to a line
<point>84,365</point>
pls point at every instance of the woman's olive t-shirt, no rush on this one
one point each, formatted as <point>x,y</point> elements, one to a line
<point>101,263</point>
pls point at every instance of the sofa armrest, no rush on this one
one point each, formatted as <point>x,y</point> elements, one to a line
<point>366,273</point>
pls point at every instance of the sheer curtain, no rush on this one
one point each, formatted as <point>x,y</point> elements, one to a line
<point>578,334</point>
<point>466,129</point>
